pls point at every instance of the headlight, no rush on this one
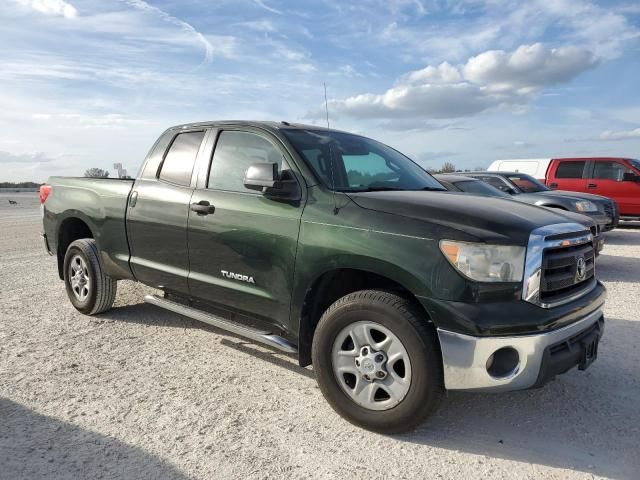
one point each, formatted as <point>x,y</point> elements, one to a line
<point>485,263</point>
<point>586,206</point>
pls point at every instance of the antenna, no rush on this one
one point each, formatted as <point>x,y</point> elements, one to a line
<point>326,104</point>
<point>336,210</point>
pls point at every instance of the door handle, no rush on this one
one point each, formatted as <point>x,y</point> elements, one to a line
<point>203,208</point>
<point>591,185</point>
<point>553,185</point>
<point>133,199</point>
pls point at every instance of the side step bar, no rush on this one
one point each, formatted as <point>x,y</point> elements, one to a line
<point>260,336</point>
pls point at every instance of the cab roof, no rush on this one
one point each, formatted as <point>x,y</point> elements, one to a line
<point>267,125</point>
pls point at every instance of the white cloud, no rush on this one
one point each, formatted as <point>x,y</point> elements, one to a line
<point>349,71</point>
<point>33,157</point>
<point>258,25</point>
<point>263,5</point>
<point>528,67</point>
<point>620,134</point>
<point>443,73</point>
<point>490,79</point>
<point>187,27</point>
<point>52,7</point>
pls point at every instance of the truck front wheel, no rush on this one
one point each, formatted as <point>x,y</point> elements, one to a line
<point>377,361</point>
<point>88,288</point>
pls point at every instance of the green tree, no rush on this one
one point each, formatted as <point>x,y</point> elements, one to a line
<point>96,173</point>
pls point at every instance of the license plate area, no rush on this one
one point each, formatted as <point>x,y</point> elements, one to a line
<point>589,352</point>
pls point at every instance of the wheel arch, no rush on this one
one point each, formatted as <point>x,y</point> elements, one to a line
<point>333,284</point>
<point>71,228</point>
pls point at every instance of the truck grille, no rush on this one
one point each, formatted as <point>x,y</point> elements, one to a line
<point>566,271</point>
<point>611,209</point>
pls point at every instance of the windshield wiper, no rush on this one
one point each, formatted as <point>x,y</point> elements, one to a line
<point>374,189</point>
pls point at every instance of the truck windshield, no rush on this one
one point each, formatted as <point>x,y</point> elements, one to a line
<point>351,163</point>
<point>480,188</point>
<point>526,183</point>
<point>635,164</point>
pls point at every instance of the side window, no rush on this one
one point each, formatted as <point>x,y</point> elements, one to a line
<point>179,160</point>
<point>570,170</point>
<point>234,153</point>
<point>368,169</point>
<point>610,171</point>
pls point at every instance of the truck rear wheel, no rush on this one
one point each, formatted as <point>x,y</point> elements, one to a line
<point>377,361</point>
<point>88,288</point>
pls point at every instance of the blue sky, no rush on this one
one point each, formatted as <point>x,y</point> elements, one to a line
<point>92,82</point>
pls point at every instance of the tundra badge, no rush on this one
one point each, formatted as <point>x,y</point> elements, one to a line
<point>237,276</point>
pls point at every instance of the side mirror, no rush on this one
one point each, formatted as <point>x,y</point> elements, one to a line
<point>265,178</point>
<point>630,177</point>
<point>261,175</point>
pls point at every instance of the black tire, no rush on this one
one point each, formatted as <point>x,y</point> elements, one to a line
<point>102,290</point>
<point>406,322</point>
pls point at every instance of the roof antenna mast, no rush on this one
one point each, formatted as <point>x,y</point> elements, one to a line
<point>326,104</point>
<point>333,182</point>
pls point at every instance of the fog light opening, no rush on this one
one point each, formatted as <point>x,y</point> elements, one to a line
<point>503,362</point>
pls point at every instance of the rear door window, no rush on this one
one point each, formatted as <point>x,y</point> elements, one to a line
<point>610,171</point>
<point>570,169</point>
<point>181,157</point>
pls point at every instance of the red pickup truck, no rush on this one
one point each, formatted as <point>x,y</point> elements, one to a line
<point>616,178</point>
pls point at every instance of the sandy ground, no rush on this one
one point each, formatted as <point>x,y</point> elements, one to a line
<point>142,393</point>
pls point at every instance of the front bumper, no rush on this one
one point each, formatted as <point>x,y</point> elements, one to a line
<point>604,220</point>
<point>466,358</point>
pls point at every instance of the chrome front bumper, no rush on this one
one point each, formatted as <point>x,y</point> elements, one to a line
<point>465,357</point>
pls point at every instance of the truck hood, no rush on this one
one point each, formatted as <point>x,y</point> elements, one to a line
<point>570,196</point>
<point>487,219</point>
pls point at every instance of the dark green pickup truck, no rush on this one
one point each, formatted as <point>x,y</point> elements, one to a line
<point>341,250</point>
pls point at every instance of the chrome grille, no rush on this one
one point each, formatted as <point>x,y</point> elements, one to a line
<point>566,270</point>
<point>560,265</point>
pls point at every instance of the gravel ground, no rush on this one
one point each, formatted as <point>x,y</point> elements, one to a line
<point>141,393</point>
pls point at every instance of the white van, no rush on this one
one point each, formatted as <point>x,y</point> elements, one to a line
<point>536,167</point>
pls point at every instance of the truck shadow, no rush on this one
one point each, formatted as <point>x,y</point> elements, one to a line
<point>585,421</point>
<point>37,446</point>
<point>564,424</point>
<point>143,313</point>
<point>611,268</point>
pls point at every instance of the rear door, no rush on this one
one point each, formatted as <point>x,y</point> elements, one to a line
<point>607,179</point>
<point>568,174</point>
<point>158,212</point>
<point>242,253</point>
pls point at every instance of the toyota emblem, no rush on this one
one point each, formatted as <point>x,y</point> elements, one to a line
<point>581,269</point>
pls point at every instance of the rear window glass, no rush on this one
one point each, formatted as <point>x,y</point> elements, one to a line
<point>570,170</point>
<point>179,161</point>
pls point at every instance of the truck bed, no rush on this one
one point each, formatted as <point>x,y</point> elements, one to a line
<point>99,203</point>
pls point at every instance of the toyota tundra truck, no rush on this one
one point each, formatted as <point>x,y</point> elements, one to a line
<point>341,251</point>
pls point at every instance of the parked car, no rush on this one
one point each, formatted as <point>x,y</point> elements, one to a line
<point>340,250</point>
<point>615,178</point>
<point>460,183</point>
<point>602,210</point>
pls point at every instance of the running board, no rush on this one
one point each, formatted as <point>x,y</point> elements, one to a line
<point>260,336</point>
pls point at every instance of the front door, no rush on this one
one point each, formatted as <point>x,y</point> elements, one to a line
<point>242,251</point>
<point>158,213</point>
<point>607,179</point>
